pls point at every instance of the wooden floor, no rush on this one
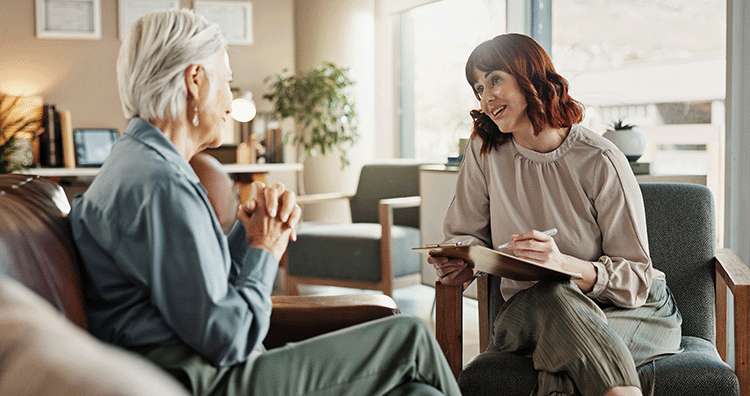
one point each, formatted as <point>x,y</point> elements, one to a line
<point>413,300</point>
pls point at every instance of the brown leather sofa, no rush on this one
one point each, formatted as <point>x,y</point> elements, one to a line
<point>37,250</point>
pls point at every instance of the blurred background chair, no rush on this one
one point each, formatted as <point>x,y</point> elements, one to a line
<point>374,250</point>
<point>682,241</point>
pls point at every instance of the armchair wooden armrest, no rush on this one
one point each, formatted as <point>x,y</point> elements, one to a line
<point>385,217</point>
<point>296,318</point>
<point>449,320</point>
<point>322,197</point>
<point>733,274</point>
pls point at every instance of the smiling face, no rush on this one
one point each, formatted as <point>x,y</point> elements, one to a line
<point>502,100</point>
<point>214,110</point>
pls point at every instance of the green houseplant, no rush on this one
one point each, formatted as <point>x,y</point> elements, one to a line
<point>320,103</point>
<point>17,122</point>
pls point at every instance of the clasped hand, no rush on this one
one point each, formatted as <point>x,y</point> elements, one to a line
<point>270,216</point>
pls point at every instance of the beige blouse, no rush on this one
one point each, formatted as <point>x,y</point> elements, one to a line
<point>584,188</point>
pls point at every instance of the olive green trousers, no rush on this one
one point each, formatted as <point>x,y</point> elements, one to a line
<point>577,344</point>
<point>393,356</point>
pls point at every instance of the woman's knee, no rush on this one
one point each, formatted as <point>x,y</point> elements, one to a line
<point>554,296</point>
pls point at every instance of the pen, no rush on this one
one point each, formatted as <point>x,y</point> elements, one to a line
<point>549,232</point>
<point>436,245</point>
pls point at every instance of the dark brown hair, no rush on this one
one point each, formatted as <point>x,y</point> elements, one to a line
<point>546,92</point>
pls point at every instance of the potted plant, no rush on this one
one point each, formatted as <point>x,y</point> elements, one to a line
<point>319,101</point>
<point>18,123</point>
<point>629,140</point>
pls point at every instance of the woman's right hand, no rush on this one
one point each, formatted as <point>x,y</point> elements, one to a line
<point>451,271</point>
<point>270,217</point>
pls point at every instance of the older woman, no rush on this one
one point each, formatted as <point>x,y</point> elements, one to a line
<point>163,279</point>
<point>531,166</point>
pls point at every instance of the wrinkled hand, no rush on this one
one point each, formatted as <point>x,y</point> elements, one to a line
<point>451,271</point>
<point>270,216</point>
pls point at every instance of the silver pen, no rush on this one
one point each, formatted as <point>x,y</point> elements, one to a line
<point>549,232</point>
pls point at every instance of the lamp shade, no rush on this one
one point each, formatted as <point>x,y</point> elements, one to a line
<point>243,108</point>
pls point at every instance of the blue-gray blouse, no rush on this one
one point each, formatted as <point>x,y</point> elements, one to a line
<point>158,268</point>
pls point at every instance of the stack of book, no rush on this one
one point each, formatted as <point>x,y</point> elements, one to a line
<point>56,147</point>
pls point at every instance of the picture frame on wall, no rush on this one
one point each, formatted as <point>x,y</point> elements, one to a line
<point>130,10</point>
<point>234,17</point>
<point>69,19</point>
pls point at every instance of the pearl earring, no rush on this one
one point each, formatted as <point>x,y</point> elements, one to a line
<point>195,115</point>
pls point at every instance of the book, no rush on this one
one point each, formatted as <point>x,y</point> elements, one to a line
<point>496,262</point>
<point>50,143</point>
<point>66,135</point>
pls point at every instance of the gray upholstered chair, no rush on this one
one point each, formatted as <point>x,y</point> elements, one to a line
<point>374,251</point>
<point>680,221</point>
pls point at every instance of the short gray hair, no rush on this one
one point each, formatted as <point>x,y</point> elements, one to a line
<point>154,56</point>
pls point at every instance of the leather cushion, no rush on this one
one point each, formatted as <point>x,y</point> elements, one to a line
<point>36,244</point>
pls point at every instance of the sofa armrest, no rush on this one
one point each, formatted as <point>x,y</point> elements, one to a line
<point>733,274</point>
<point>296,318</point>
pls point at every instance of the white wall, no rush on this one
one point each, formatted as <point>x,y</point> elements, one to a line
<point>79,75</point>
<point>342,32</point>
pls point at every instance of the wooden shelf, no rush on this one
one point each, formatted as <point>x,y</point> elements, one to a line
<point>230,168</point>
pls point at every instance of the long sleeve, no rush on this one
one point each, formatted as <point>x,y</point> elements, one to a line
<point>158,268</point>
<point>624,273</point>
<point>190,287</point>
<point>584,188</point>
<point>468,217</point>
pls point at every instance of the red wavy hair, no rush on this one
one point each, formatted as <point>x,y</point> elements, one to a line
<point>546,92</point>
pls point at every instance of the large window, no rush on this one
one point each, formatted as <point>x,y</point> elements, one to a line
<point>659,65</point>
<point>434,42</point>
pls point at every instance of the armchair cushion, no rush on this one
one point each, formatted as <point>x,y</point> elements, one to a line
<point>491,372</point>
<point>332,250</point>
<point>685,373</point>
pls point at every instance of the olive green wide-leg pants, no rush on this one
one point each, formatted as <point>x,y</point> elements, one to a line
<point>578,344</point>
<point>394,356</point>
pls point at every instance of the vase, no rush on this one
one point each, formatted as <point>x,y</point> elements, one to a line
<point>630,141</point>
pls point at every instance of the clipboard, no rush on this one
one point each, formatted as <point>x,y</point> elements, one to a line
<point>496,262</point>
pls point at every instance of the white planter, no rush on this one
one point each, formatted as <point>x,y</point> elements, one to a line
<point>629,141</point>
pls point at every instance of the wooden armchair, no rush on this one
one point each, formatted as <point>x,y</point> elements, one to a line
<point>374,251</point>
<point>680,221</point>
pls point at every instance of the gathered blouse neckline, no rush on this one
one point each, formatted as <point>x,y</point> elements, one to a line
<point>553,155</point>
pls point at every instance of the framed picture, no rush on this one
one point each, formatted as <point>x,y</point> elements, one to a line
<point>130,10</point>
<point>68,19</point>
<point>234,17</point>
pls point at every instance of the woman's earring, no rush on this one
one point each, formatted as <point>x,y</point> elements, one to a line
<point>195,115</point>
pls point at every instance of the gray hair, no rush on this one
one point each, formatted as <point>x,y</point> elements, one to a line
<point>154,56</point>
